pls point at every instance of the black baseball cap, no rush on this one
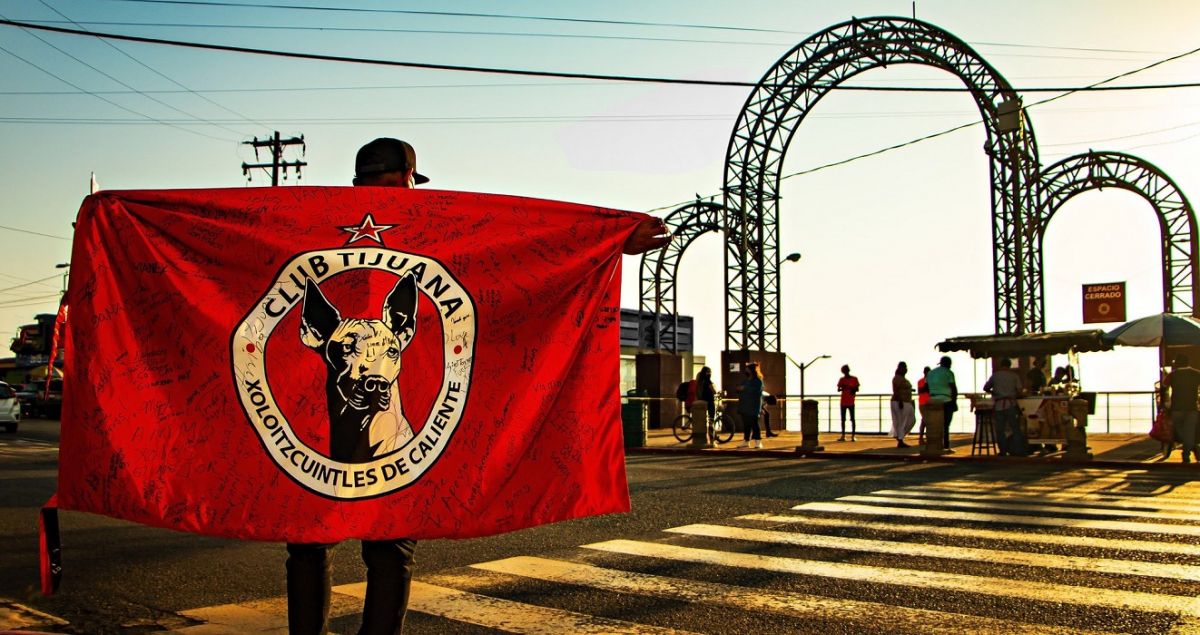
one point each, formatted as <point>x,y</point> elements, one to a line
<point>386,154</point>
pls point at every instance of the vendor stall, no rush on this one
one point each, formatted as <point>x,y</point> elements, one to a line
<point>1047,417</point>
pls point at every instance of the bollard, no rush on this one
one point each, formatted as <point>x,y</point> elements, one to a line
<point>1076,430</point>
<point>810,431</point>
<point>698,411</point>
<point>934,416</point>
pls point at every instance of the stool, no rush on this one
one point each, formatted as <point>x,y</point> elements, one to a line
<point>984,441</point>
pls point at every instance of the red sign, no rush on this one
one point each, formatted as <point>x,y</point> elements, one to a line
<point>313,364</point>
<point>1104,302</point>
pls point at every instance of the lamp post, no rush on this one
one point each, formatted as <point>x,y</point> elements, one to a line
<point>67,270</point>
<point>804,367</point>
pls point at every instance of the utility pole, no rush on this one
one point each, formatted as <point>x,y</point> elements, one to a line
<point>276,146</point>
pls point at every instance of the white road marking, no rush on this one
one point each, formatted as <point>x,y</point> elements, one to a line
<point>798,605</point>
<point>971,554</point>
<point>1174,548</point>
<point>999,587</point>
<point>1001,506</point>
<point>1143,506</point>
<point>507,615</point>
<point>1007,519</point>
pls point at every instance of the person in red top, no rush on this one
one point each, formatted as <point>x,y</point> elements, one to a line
<point>848,386</point>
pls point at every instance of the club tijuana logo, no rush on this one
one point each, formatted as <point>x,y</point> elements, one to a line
<point>373,448</point>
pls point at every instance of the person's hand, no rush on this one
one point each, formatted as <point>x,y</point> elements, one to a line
<point>650,234</point>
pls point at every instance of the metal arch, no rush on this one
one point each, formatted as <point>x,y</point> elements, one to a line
<point>657,285</point>
<point>780,102</point>
<point>1097,170</point>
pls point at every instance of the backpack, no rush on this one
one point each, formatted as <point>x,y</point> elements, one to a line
<point>770,399</point>
<point>681,393</point>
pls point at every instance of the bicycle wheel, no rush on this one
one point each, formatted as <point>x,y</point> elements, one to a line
<point>682,428</point>
<point>723,427</point>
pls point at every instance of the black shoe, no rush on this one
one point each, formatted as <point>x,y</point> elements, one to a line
<point>901,444</point>
<point>772,434</point>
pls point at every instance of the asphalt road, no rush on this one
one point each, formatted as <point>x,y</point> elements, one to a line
<point>715,544</point>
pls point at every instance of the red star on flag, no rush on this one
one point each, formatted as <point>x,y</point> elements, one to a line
<point>366,229</point>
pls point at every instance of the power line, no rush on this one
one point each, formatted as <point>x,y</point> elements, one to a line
<point>33,233</point>
<point>453,14</point>
<point>156,72</point>
<point>532,34</point>
<point>54,277</point>
<point>537,18</point>
<point>151,98</point>
<point>101,97</point>
<point>523,72</point>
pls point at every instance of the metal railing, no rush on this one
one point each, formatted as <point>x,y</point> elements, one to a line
<point>1116,412</point>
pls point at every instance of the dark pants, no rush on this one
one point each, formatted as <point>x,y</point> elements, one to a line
<point>853,423</point>
<point>309,578</point>
<point>750,427</point>
<point>1009,437</point>
<point>948,410</point>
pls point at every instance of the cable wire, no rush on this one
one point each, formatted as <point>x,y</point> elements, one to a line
<point>159,73</point>
<point>519,72</point>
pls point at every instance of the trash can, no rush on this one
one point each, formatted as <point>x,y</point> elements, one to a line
<point>634,416</point>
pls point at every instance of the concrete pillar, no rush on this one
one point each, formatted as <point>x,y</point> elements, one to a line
<point>1076,430</point>
<point>809,428</point>
<point>934,416</point>
<point>700,433</point>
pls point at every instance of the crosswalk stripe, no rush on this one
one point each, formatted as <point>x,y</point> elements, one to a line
<point>1118,507</point>
<point>507,615</point>
<point>1058,495</point>
<point>1016,507</point>
<point>1128,487</point>
<point>990,534</point>
<point>1005,519</point>
<point>797,605</point>
<point>997,587</point>
<point>991,556</point>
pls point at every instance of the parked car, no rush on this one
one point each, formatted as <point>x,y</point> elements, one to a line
<point>27,393</point>
<point>10,408</point>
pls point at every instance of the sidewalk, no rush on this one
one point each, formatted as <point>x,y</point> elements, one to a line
<point>1107,449</point>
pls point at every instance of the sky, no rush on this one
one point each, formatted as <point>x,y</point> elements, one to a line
<point>896,248</point>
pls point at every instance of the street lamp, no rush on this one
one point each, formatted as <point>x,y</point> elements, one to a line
<point>804,367</point>
<point>792,257</point>
<point>67,267</point>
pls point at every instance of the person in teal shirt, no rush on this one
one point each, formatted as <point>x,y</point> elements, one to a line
<point>942,387</point>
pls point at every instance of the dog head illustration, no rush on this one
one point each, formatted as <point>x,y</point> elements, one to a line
<point>362,357</point>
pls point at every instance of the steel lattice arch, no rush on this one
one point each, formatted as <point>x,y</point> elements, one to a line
<point>1098,170</point>
<point>778,105</point>
<point>659,274</point>
<point>1023,196</point>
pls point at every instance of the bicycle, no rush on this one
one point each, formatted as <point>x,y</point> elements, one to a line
<point>723,426</point>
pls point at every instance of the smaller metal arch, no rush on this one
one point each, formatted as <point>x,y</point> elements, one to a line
<point>660,268</point>
<point>1098,170</point>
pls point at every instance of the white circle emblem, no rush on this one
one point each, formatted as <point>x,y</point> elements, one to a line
<point>399,467</point>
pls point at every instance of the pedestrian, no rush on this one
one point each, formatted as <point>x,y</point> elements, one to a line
<point>943,388</point>
<point>903,417</point>
<point>1005,386</point>
<point>750,406</point>
<point>385,162</point>
<point>848,386</point>
<point>768,400</point>
<point>923,398</point>
<point>701,388</point>
<point>1182,384</point>
<point>1036,377</point>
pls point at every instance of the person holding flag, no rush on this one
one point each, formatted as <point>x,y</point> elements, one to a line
<point>386,162</point>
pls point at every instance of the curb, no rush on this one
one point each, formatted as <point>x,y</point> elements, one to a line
<point>917,458</point>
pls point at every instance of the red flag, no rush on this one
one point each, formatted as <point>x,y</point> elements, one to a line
<point>313,364</point>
